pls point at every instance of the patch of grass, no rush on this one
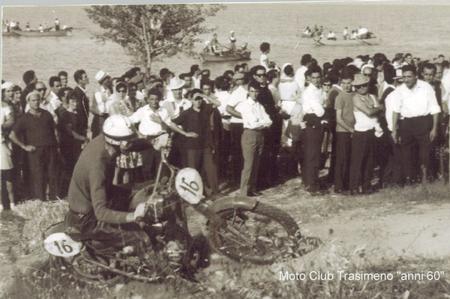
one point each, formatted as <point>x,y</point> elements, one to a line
<point>291,197</point>
<point>38,216</point>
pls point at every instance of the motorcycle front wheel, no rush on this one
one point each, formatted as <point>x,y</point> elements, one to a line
<point>260,235</point>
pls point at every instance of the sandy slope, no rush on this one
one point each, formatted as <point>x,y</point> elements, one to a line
<point>393,223</point>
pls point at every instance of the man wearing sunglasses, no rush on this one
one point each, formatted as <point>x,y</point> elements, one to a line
<point>268,173</point>
<point>45,102</point>
<point>365,108</point>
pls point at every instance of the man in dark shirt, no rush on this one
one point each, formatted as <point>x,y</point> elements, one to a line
<point>268,172</point>
<point>92,196</point>
<point>30,79</point>
<point>197,152</point>
<point>79,91</point>
<point>70,138</point>
<point>345,120</point>
<point>34,132</point>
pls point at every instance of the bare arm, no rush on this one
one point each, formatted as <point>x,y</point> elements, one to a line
<point>233,112</point>
<point>13,138</point>
<point>433,132</point>
<point>181,131</point>
<point>395,117</point>
<point>8,123</point>
<point>78,136</point>
<point>369,111</point>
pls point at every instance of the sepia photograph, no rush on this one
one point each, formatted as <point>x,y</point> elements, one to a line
<point>283,149</point>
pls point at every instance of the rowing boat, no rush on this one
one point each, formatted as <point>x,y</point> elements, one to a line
<point>42,34</point>
<point>35,33</point>
<point>346,42</point>
<point>226,56</point>
<point>10,33</point>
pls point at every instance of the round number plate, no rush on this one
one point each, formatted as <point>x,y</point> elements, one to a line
<point>60,244</point>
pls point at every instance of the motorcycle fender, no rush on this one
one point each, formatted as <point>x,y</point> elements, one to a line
<point>239,202</point>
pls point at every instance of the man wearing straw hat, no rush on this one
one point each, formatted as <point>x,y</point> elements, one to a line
<point>174,106</point>
<point>365,108</point>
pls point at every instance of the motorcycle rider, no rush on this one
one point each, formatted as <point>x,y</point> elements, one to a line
<point>94,202</point>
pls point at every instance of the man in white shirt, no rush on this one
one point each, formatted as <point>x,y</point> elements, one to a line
<point>195,73</point>
<point>254,120</point>
<point>52,98</point>
<point>393,172</point>
<point>365,108</point>
<point>418,109</point>
<point>153,121</point>
<point>237,97</point>
<point>176,104</point>
<point>305,62</point>
<point>98,105</point>
<point>312,106</point>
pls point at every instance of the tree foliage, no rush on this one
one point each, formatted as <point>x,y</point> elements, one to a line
<point>151,31</point>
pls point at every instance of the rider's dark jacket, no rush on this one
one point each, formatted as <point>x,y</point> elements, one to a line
<point>91,186</point>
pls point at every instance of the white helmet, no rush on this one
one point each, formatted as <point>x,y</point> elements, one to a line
<point>118,128</point>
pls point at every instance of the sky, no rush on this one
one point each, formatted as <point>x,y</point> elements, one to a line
<point>75,2</point>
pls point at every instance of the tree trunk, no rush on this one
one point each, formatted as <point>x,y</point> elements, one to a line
<point>148,59</point>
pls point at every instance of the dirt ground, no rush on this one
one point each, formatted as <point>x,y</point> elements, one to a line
<point>409,223</point>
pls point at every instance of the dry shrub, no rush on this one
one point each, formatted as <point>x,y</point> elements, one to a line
<point>39,216</point>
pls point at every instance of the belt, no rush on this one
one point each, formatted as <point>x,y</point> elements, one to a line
<point>100,115</point>
<point>256,130</point>
<point>417,117</point>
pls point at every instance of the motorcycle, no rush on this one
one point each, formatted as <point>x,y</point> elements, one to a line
<point>241,228</point>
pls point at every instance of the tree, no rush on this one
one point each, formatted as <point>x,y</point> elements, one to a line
<point>149,31</point>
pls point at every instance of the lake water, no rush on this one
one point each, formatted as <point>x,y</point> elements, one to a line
<point>419,29</point>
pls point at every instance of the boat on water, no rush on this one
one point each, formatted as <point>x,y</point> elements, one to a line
<point>346,42</point>
<point>19,33</point>
<point>10,33</point>
<point>226,56</point>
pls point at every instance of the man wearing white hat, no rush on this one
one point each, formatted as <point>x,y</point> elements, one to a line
<point>98,105</point>
<point>34,132</point>
<point>177,104</point>
<point>92,195</point>
<point>174,107</point>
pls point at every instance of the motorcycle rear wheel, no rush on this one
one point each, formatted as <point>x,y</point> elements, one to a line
<point>259,236</point>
